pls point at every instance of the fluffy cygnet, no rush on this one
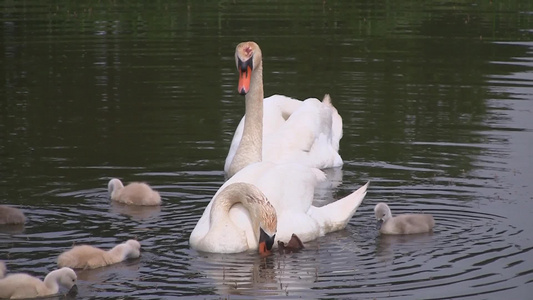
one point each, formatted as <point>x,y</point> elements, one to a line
<point>89,257</point>
<point>3,269</point>
<point>135,193</point>
<point>20,285</point>
<point>11,215</point>
<point>401,224</point>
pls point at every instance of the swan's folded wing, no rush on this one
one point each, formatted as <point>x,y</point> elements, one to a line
<point>307,137</point>
<point>276,110</point>
<point>290,187</point>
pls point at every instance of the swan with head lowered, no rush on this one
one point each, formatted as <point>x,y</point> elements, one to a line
<point>280,129</point>
<point>234,226</point>
<point>21,285</point>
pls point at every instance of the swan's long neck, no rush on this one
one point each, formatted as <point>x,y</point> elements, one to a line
<point>251,146</point>
<point>114,186</point>
<point>261,211</point>
<point>118,253</point>
<point>51,281</point>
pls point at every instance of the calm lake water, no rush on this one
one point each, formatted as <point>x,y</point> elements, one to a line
<point>436,99</point>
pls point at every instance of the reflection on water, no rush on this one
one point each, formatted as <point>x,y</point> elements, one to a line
<point>11,228</point>
<point>436,106</point>
<point>136,212</point>
<point>387,245</point>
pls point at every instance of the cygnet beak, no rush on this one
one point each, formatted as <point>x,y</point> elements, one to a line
<point>379,223</point>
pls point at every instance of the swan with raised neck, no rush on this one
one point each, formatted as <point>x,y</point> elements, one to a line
<point>280,129</point>
<point>248,59</point>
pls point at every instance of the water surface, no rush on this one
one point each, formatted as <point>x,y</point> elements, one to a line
<point>437,110</point>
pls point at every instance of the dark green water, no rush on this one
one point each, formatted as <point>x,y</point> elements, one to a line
<point>436,99</point>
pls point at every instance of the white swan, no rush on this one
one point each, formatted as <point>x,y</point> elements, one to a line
<point>290,189</point>
<point>402,224</point>
<point>20,285</point>
<point>89,257</point>
<point>135,193</point>
<point>280,129</point>
<point>11,215</point>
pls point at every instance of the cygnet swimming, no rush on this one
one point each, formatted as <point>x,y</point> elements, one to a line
<point>89,257</point>
<point>402,224</point>
<point>135,193</point>
<point>21,285</point>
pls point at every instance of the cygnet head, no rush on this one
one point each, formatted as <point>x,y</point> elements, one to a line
<point>67,277</point>
<point>383,213</point>
<point>135,248</point>
<point>113,185</point>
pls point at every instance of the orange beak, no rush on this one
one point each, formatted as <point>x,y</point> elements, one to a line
<point>263,251</point>
<point>244,80</point>
<point>265,243</point>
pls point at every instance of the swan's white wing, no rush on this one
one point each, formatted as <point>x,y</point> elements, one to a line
<point>290,189</point>
<point>276,110</point>
<point>306,132</point>
<point>306,137</point>
<point>336,215</point>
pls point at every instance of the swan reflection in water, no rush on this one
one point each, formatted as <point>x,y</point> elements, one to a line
<point>11,228</point>
<point>325,190</point>
<point>92,281</point>
<point>248,274</point>
<point>387,246</point>
<point>136,212</point>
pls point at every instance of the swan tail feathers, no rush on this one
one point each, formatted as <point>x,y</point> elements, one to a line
<point>336,215</point>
